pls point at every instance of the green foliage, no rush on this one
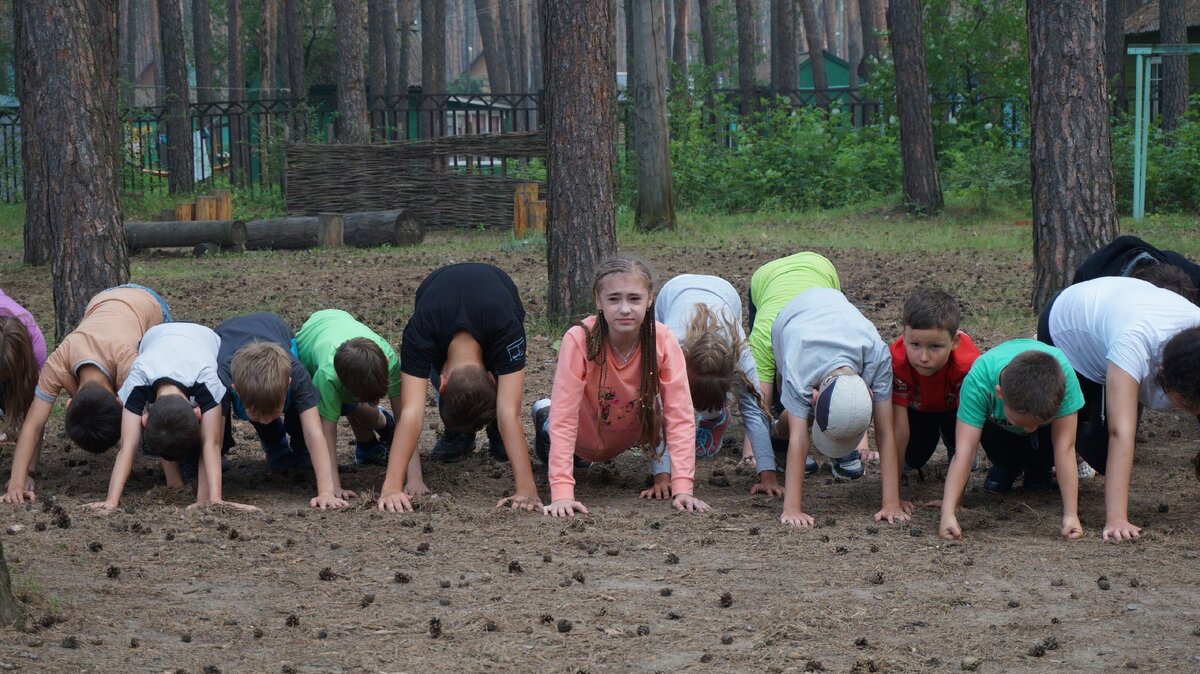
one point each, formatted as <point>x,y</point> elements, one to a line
<point>1172,165</point>
<point>980,165</point>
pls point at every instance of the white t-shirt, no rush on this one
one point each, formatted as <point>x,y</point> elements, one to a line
<point>1124,321</point>
<point>183,353</point>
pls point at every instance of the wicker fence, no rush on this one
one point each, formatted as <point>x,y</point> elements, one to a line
<point>456,181</point>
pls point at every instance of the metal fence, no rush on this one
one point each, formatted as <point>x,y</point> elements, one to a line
<point>241,142</point>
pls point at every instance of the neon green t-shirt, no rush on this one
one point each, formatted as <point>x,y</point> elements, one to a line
<point>977,400</point>
<point>772,287</point>
<point>316,344</point>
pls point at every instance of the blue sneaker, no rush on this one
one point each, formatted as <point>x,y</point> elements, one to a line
<point>810,466</point>
<point>496,443</point>
<point>541,435</point>
<point>709,433</point>
<point>848,467</point>
<point>373,454</point>
<point>1000,479</point>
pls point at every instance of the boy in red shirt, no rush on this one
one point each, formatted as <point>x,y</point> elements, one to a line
<point>929,362</point>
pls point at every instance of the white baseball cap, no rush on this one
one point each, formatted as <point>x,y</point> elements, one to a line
<point>841,414</point>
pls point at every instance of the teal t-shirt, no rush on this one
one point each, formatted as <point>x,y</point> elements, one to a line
<point>316,344</point>
<point>977,401</point>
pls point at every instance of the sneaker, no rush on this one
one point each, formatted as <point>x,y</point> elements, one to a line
<point>1038,481</point>
<point>709,433</point>
<point>1086,472</point>
<point>810,466</point>
<point>496,443</point>
<point>999,480</point>
<point>389,427</point>
<point>373,454</point>
<point>453,446</point>
<point>848,467</point>
<point>541,432</point>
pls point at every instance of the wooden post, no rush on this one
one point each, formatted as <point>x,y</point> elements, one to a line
<point>329,230</point>
<point>224,204</point>
<point>185,211</point>
<point>206,208</point>
<point>525,192</point>
<point>536,216</point>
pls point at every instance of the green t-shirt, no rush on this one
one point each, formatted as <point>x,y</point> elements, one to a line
<point>772,287</point>
<point>316,344</point>
<point>977,401</point>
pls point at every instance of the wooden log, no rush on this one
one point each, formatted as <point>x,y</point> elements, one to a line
<point>362,230</point>
<point>224,204</point>
<point>206,208</point>
<point>330,230</point>
<point>228,234</point>
<point>536,216</point>
<point>185,211</point>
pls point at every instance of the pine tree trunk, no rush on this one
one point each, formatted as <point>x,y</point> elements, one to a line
<point>202,30</point>
<point>1173,30</point>
<point>129,61</point>
<point>655,191</point>
<point>239,160</point>
<point>268,35</point>
<point>537,44</point>
<point>377,52</point>
<point>391,45</point>
<point>1070,149</point>
<point>10,610</point>
<point>747,51</point>
<point>581,102</point>
<point>69,112</point>
<point>679,41</point>
<point>293,28</point>
<point>783,44</point>
<point>38,244</point>
<point>708,41</point>
<point>485,13</point>
<point>180,169</point>
<point>816,57</point>
<point>922,188</point>
<point>854,42</point>
<point>1114,52</point>
<point>506,12</point>
<point>353,126</point>
<point>829,21</point>
<point>870,38</point>
<point>433,64</point>
<point>406,15</point>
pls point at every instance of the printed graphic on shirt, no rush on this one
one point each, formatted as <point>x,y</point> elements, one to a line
<point>516,350</point>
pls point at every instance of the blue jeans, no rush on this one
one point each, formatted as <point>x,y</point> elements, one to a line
<point>166,308</point>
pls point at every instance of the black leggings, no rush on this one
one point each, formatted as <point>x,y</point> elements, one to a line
<point>924,429</point>
<point>1032,454</point>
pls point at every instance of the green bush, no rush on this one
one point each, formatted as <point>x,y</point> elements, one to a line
<point>1172,165</point>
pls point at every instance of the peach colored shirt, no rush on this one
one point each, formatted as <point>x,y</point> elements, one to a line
<point>598,428</point>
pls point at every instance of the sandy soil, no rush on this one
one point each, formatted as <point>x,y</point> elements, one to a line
<point>457,586</point>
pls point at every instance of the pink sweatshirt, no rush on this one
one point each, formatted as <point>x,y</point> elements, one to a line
<point>581,424</point>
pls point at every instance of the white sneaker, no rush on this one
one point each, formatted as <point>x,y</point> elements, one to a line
<point>1086,472</point>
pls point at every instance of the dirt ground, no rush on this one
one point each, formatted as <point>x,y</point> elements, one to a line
<point>458,586</point>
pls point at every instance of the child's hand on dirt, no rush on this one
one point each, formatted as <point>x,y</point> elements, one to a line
<point>767,484</point>
<point>327,500</point>
<point>395,502</point>
<point>101,507</point>
<point>416,488</point>
<point>1072,530</point>
<point>949,529</point>
<point>661,490</point>
<point>895,513</point>
<point>344,494</point>
<point>1120,530</point>
<point>527,502</point>
<point>796,518</point>
<point>690,503</point>
<point>867,455</point>
<point>564,507</point>
<point>19,495</point>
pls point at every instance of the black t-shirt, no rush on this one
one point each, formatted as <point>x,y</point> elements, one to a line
<point>141,396</point>
<point>477,298</point>
<point>263,327</point>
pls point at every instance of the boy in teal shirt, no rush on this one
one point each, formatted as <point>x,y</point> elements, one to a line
<point>352,368</point>
<point>1020,401</point>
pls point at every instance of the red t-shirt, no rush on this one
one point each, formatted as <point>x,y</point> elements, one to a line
<point>936,393</point>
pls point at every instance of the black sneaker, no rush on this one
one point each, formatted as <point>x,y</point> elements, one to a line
<point>1038,481</point>
<point>453,446</point>
<point>999,480</point>
<point>496,443</point>
<point>541,438</point>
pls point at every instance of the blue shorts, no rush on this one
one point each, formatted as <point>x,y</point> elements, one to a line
<point>166,308</point>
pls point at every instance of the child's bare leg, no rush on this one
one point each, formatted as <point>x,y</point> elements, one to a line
<point>364,421</point>
<point>864,450</point>
<point>202,496</point>
<point>172,474</point>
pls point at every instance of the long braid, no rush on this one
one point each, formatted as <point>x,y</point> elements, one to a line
<point>649,405</point>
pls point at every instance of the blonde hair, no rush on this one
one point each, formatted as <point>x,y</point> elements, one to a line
<point>712,360</point>
<point>260,372</point>
<point>649,408</point>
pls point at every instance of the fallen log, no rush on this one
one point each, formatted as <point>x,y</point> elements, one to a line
<point>362,230</point>
<point>228,234</point>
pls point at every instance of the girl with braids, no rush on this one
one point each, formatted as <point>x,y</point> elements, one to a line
<point>621,382</point>
<point>22,353</point>
<point>705,313</point>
